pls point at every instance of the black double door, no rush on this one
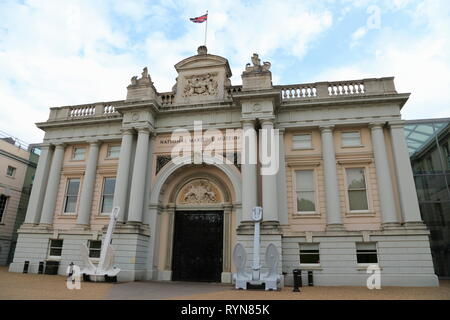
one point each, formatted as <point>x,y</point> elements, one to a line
<point>197,246</point>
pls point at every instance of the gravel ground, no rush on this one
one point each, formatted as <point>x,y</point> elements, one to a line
<point>32,286</point>
<point>19,286</point>
<point>331,293</point>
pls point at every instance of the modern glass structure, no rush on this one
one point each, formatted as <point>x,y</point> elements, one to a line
<point>429,147</point>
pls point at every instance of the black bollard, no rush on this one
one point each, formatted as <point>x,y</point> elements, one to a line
<point>25,266</point>
<point>310,279</point>
<point>297,273</point>
<point>41,267</point>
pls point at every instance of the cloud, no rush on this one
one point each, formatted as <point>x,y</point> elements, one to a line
<point>55,53</point>
<point>420,61</point>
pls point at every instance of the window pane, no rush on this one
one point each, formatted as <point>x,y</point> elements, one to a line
<point>72,189</point>
<point>306,201</point>
<point>10,171</point>
<point>309,258</point>
<point>56,243</point>
<point>71,204</point>
<point>309,253</point>
<point>366,257</point>
<point>305,180</point>
<point>351,139</point>
<point>94,253</point>
<point>2,203</point>
<point>113,151</point>
<point>355,178</point>
<point>55,252</point>
<point>78,153</point>
<point>94,248</point>
<point>108,186</point>
<point>97,244</point>
<point>357,200</point>
<point>107,204</point>
<point>301,141</point>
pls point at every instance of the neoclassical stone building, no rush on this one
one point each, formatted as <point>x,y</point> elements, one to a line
<point>343,197</point>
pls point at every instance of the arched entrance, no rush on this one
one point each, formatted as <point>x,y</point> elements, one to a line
<point>198,210</point>
<point>197,253</point>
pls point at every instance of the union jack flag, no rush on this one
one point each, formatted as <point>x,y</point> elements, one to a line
<point>200,19</point>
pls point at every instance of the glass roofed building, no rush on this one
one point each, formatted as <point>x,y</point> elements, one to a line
<point>428,143</point>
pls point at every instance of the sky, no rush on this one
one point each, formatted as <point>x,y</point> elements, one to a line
<point>58,53</point>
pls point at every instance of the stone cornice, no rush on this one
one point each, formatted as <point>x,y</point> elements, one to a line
<point>400,98</point>
<point>78,122</point>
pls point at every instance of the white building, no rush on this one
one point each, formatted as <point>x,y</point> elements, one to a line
<point>343,197</point>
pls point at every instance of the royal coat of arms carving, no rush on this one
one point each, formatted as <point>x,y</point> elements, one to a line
<point>198,192</point>
<point>201,85</point>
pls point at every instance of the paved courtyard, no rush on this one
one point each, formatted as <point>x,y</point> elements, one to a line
<point>33,286</point>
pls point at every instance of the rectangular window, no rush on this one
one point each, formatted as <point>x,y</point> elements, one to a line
<point>95,246</point>
<point>356,189</point>
<point>55,247</point>
<point>78,153</point>
<point>3,202</point>
<point>309,253</point>
<point>301,141</point>
<point>70,203</point>
<point>10,171</point>
<point>113,152</point>
<point>351,139</point>
<point>366,252</point>
<point>305,189</point>
<point>109,185</point>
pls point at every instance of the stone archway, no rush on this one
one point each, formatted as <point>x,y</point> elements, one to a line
<point>193,188</point>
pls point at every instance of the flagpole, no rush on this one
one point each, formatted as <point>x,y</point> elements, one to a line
<point>206,27</point>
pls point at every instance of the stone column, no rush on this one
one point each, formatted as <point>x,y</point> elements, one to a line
<point>87,191</point>
<point>51,192</point>
<point>248,170</point>
<point>170,210</point>
<point>139,176</point>
<point>226,272</point>
<point>123,173</point>
<point>39,185</point>
<point>281,181</point>
<point>269,181</point>
<point>333,206</point>
<point>405,180</point>
<point>385,189</point>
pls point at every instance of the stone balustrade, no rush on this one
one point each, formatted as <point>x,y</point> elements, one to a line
<point>299,91</point>
<point>295,92</point>
<point>167,98</point>
<point>109,109</point>
<point>323,90</point>
<point>102,109</point>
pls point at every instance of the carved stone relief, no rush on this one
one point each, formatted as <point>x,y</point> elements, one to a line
<point>201,85</point>
<point>199,191</point>
<point>257,67</point>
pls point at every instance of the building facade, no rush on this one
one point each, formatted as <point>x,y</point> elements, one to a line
<point>429,145</point>
<point>187,166</point>
<point>17,166</point>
